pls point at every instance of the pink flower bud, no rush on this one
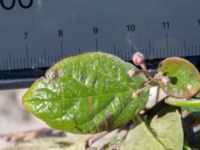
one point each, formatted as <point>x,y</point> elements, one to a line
<point>138,59</point>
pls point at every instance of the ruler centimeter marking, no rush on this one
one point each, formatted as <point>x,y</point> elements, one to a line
<point>10,62</point>
<point>34,36</point>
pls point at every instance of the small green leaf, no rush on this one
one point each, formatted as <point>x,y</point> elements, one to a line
<point>165,132</point>
<point>184,77</point>
<point>167,125</point>
<point>88,93</point>
<point>192,105</point>
<point>140,138</point>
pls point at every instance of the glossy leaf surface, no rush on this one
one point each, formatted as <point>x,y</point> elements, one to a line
<point>184,77</point>
<point>88,93</point>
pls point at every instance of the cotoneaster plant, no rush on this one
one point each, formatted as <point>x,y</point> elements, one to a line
<point>97,91</point>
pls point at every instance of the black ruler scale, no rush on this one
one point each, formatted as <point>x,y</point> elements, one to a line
<point>34,34</point>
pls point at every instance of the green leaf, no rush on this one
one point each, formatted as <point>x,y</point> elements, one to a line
<point>88,93</point>
<point>184,77</point>
<point>165,132</point>
<point>192,105</point>
<point>167,125</point>
<point>140,138</point>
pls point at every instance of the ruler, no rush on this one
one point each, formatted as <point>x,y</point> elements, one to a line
<point>34,34</point>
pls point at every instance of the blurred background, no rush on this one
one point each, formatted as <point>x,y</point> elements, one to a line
<point>13,117</point>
